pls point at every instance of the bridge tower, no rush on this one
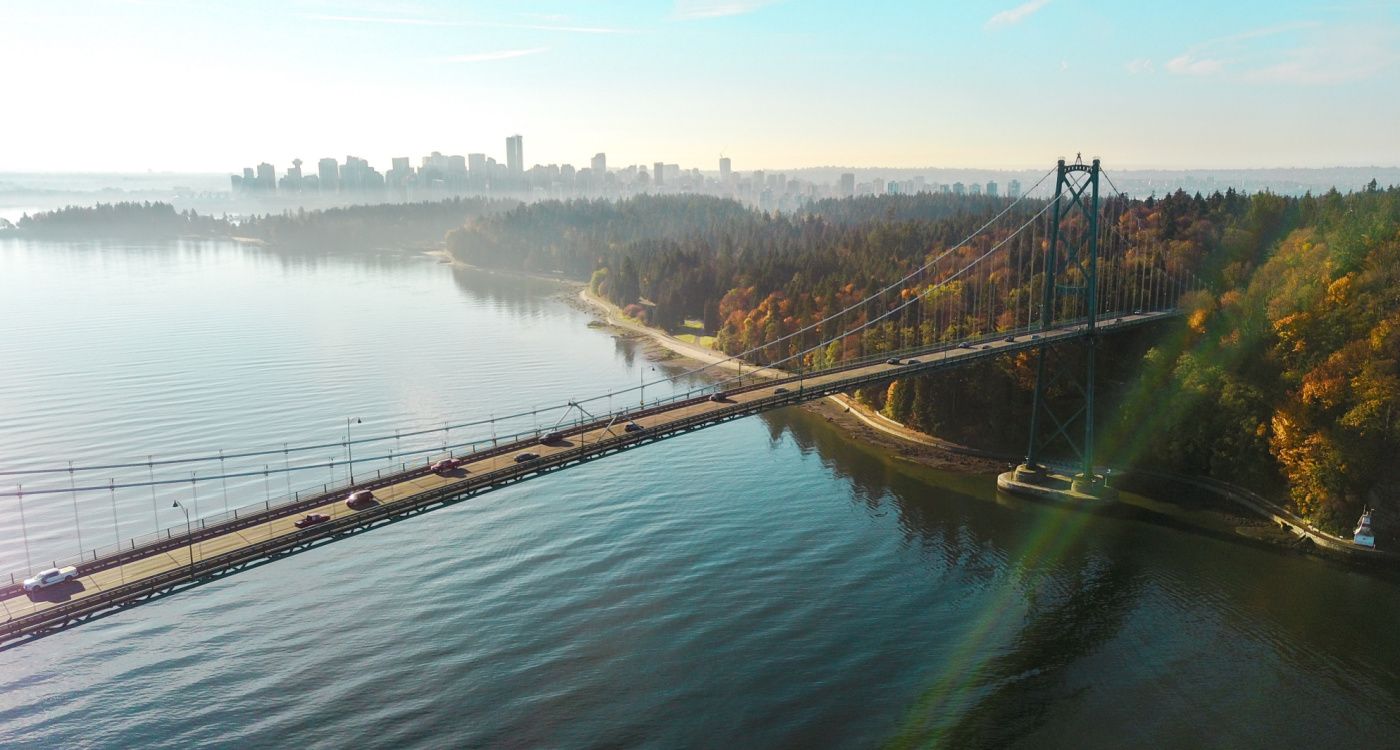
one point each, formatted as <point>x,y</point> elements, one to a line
<point>1069,295</point>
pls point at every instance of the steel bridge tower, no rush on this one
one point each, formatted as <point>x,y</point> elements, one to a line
<point>1069,295</point>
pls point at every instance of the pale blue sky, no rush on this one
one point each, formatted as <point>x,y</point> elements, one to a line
<point>162,84</point>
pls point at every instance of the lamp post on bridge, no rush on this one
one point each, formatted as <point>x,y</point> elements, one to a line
<point>641,383</point>
<point>349,453</point>
<point>188,534</point>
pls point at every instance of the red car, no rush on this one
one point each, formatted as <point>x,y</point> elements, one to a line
<point>446,465</point>
<point>360,499</point>
<point>312,519</point>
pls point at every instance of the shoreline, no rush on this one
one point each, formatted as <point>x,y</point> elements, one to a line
<point>1251,518</point>
<point>614,317</point>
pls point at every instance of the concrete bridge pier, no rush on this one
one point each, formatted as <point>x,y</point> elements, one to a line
<point>1034,480</point>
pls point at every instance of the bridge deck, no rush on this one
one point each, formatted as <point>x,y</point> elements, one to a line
<point>162,570</point>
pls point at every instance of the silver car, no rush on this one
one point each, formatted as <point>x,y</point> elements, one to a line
<point>50,577</point>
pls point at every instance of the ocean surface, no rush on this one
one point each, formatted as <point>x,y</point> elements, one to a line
<point>763,583</point>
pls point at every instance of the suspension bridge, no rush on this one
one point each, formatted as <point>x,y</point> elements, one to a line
<point>1042,272</point>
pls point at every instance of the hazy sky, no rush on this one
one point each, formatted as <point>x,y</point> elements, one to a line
<point>214,86</point>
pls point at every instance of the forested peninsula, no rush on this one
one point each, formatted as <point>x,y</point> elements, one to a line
<point>364,227</point>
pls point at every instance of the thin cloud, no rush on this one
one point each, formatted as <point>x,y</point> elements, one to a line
<point>409,21</point>
<point>1336,55</point>
<point>1015,15</point>
<point>1322,54</point>
<point>1140,65</point>
<point>1187,64</point>
<point>505,54</point>
<point>690,10</point>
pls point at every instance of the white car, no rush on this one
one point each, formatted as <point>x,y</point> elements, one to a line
<point>47,578</point>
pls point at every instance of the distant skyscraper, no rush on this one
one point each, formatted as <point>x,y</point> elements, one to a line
<point>599,166</point>
<point>848,184</point>
<point>267,178</point>
<point>515,155</point>
<point>959,189</point>
<point>975,188</point>
<point>291,181</point>
<point>658,173</point>
<point>1013,189</point>
<point>400,171</point>
<point>724,171</point>
<point>991,188</point>
<point>329,173</point>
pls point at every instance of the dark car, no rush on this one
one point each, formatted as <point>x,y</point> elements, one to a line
<point>523,457</point>
<point>912,362</point>
<point>1010,339</point>
<point>633,427</point>
<point>359,499</point>
<point>312,519</point>
<point>892,361</point>
<point>552,437</point>
<point>780,389</point>
<point>718,398</point>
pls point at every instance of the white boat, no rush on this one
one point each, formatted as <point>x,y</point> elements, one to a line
<point>1363,535</point>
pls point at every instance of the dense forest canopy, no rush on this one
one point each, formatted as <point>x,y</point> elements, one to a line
<point>1285,375</point>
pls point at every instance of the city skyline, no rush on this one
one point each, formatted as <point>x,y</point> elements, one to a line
<point>776,85</point>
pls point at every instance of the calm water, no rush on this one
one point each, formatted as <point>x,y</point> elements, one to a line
<point>761,583</point>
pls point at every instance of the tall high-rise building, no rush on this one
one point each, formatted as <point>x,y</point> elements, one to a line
<point>959,189</point>
<point>848,184</point>
<point>267,177</point>
<point>291,181</point>
<point>515,155</point>
<point>658,173</point>
<point>328,171</point>
<point>992,188</point>
<point>600,166</point>
<point>1013,189</point>
<point>724,170</point>
<point>400,171</point>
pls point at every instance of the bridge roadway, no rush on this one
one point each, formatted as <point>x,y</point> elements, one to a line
<point>183,561</point>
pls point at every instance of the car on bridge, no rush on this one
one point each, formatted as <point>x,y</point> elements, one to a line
<point>311,519</point>
<point>359,499</point>
<point>552,437</point>
<point>446,465</point>
<point>892,361</point>
<point>719,398</point>
<point>50,577</point>
<point>780,389</point>
<point>633,427</point>
<point>912,362</point>
<point>521,458</point>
